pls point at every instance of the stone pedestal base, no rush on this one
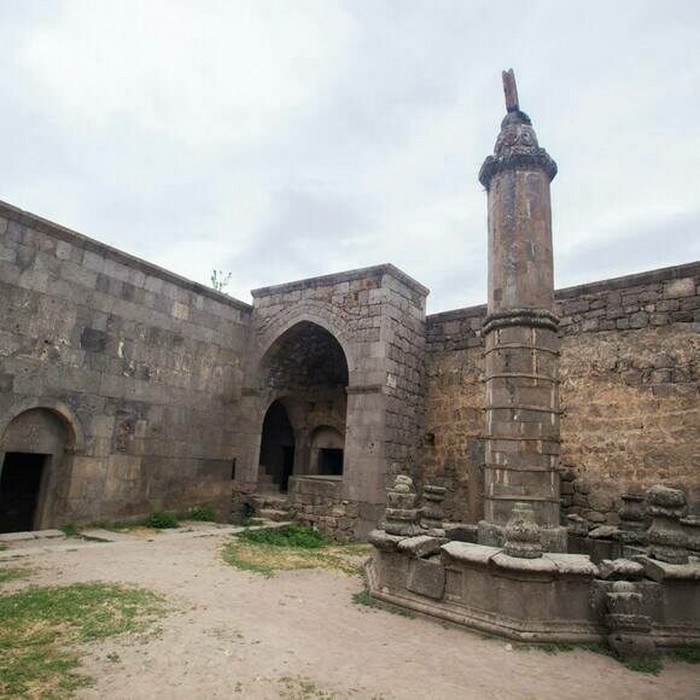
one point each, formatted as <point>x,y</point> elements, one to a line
<point>492,535</point>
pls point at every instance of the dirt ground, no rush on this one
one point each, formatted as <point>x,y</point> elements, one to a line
<point>300,635</point>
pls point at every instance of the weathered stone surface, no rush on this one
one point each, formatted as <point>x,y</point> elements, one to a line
<point>471,553</point>
<point>522,533</point>
<point>427,578</point>
<point>604,532</point>
<point>668,541</point>
<point>421,545</point>
<point>540,565</point>
<point>619,429</point>
<point>620,569</point>
<point>383,541</point>
<point>660,571</point>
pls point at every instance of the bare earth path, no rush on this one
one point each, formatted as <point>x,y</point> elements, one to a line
<point>299,635</point>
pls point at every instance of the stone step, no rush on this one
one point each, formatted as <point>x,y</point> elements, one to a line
<point>273,514</point>
<point>270,499</point>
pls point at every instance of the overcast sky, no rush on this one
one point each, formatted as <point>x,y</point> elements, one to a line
<point>285,139</point>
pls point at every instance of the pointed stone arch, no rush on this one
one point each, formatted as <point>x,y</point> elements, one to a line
<point>303,376</point>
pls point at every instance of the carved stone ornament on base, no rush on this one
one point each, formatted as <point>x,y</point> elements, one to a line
<point>522,533</point>
<point>632,529</point>
<point>401,513</point>
<point>432,512</point>
<point>628,624</point>
<point>667,539</point>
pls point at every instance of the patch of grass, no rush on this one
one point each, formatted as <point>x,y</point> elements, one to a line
<point>294,546</point>
<point>161,520</point>
<point>12,574</point>
<point>294,535</point>
<point>202,513</point>
<point>301,688</point>
<point>38,626</point>
<point>70,530</point>
<point>3,546</point>
<point>364,597</point>
<point>556,647</point>
<point>689,655</point>
<point>243,559</point>
<point>653,666</point>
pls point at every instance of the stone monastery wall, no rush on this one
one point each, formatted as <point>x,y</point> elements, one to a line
<point>142,368</point>
<point>630,381</point>
<point>126,389</point>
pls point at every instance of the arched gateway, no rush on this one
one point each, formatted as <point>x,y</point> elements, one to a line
<point>305,373</point>
<point>34,469</point>
<point>335,388</point>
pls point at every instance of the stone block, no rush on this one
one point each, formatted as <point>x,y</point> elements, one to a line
<point>420,546</point>
<point>684,287</point>
<point>427,578</point>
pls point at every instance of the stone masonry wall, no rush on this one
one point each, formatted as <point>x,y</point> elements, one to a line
<point>144,365</point>
<point>317,501</point>
<point>630,394</point>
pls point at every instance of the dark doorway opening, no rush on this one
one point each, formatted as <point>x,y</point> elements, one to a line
<point>277,447</point>
<point>330,461</point>
<point>19,490</point>
<point>287,467</point>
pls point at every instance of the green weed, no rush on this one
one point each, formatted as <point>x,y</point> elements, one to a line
<point>12,574</point>
<point>161,520</point>
<point>301,688</point>
<point>70,530</point>
<point>556,647</point>
<point>202,513</point>
<point>652,665</point>
<point>293,546</point>
<point>38,626</point>
<point>689,655</point>
<point>294,535</point>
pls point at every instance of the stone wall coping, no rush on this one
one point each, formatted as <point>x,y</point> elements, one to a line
<point>539,565</point>
<point>572,564</point>
<point>660,571</point>
<point>458,314</point>
<point>38,223</point>
<point>471,553</point>
<point>376,271</point>
<point>638,279</point>
<point>420,545</point>
<point>664,274</point>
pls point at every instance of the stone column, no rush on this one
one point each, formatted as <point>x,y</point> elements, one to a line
<point>521,341</point>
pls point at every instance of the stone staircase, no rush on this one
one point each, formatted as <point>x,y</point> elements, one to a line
<point>272,506</point>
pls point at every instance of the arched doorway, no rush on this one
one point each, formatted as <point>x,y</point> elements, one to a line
<point>31,465</point>
<point>307,371</point>
<point>276,447</point>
